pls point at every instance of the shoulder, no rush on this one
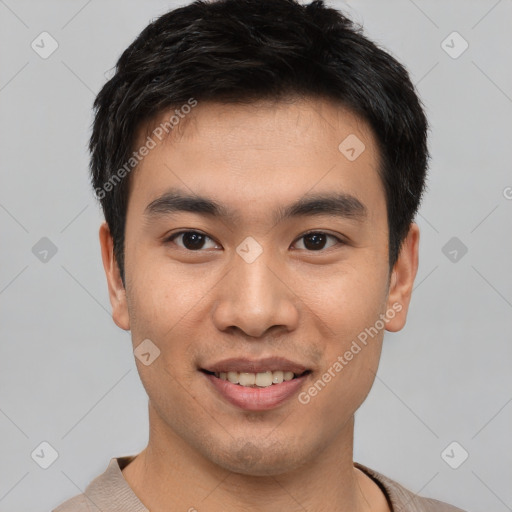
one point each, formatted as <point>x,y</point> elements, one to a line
<point>79,503</point>
<point>108,491</point>
<point>403,500</point>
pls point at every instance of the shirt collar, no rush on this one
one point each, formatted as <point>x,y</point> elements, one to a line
<point>119,492</point>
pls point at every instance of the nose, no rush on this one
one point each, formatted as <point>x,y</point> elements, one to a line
<point>256,297</point>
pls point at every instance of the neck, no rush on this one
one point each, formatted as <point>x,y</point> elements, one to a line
<point>169,471</point>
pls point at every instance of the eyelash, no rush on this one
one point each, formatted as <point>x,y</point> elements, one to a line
<point>179,233</point>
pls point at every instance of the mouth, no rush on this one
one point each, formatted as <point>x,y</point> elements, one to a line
<point>257,380</point>
<point>256,385</point>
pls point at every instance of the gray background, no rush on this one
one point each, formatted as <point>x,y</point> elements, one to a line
<point>67,373</point>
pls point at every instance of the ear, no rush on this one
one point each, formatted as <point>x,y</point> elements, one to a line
<point>402,280</point>
<point>116,290</point>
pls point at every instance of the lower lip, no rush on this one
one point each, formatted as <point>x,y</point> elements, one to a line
<point>257,399</point>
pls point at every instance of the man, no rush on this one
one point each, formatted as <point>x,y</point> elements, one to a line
<point>259,164</point>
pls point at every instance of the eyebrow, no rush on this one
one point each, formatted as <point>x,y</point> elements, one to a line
<point>331,204</point>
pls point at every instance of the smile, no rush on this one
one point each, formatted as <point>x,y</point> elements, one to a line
<point>256,385</point>
<point>261,379</point>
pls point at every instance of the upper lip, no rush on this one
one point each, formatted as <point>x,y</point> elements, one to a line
<point>245,365</point>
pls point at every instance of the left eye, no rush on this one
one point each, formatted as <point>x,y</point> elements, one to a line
<point>317,240</point>
<point>195,240</point>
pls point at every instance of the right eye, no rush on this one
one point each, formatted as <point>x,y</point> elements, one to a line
<point>190,240</point>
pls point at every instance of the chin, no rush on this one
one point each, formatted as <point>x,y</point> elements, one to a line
<point>253,459</point>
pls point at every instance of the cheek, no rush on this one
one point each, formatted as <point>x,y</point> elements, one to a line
<point>345,300</point>
<point>163,293</point>
<point>350,361</point>
<point>347,308</point>
<point>162,301</point>
<point>167,302</point>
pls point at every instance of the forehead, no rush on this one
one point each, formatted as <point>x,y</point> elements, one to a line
<point>296,119</point>
<point>261,152</point>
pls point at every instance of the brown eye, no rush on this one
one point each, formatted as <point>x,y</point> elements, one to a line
<point>317,240</point>
<point>190,240</point>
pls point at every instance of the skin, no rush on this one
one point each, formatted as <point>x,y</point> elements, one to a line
<point>199,307</point>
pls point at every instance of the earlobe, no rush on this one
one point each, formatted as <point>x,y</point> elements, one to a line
<point>116,290</point>
<point>402,281</point>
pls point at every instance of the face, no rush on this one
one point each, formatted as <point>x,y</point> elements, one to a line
<point>244,282</point>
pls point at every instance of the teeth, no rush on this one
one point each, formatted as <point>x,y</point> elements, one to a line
<point>264,380</point>
<point>277,377</point>
<point>232,377</point>
<point>261,380</point>
<point>246,379</point>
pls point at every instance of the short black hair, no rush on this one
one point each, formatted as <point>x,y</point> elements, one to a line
<point>248,50</point>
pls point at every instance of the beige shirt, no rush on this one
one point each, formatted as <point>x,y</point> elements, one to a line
<point>110,492</point>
